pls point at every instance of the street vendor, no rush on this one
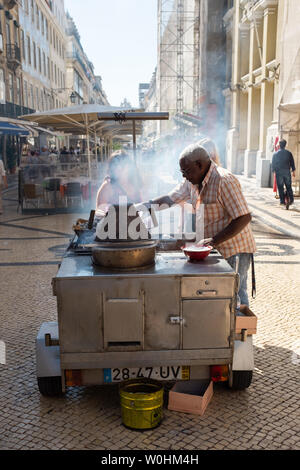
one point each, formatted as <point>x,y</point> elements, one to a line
<point>226,214</point>
<point>123,180</point>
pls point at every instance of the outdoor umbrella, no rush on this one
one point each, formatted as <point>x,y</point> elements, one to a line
<point>84,120</point>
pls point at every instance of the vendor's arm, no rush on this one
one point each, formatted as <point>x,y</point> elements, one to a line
<point>233,229</point>
<point>103,200</point>
<point>179,194</point>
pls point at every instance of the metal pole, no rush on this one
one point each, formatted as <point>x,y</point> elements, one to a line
<point>134,139</point>
<point>88,150</point>
<point>101,149</point>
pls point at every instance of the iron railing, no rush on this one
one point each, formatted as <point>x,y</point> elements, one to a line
<point>13,110</point>
<point>13,53</point>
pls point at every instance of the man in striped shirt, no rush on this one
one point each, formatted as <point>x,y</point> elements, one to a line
<point>226,214</point>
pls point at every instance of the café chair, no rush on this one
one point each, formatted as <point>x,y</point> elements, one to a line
<point>73,193</point>
<point>31,195</point>
<point>51,189</point>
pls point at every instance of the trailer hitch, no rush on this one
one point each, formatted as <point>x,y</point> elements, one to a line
<point>49,341</point>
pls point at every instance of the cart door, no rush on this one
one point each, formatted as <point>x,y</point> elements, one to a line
<point>206,323</point>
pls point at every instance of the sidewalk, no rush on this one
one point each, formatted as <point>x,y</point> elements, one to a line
<point>266,209</point>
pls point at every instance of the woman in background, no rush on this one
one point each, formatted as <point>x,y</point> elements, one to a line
<point>211,148</point>
<point>123,180</point>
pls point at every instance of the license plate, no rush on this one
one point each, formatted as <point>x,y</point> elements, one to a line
<point>158,373</point>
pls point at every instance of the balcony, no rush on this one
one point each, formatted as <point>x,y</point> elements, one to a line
<point>13,55</point>
<point>13,110</point>
<point>9,4</point>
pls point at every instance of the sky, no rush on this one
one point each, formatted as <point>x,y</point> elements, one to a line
<point>120,39</point>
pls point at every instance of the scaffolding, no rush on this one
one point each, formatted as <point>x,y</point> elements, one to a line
<point>178,55</point>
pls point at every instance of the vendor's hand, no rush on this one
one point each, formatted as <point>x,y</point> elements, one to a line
<point>142,206</point>
<point>206,242</point>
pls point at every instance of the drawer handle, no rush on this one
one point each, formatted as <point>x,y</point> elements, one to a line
<point>203,292</point>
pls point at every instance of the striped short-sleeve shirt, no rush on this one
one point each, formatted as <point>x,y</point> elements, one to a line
<point>223,202</point>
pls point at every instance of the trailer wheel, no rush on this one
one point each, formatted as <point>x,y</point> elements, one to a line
<point>241,379</point>
<point>50,386</point>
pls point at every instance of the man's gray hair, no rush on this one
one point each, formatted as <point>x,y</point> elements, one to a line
<point>194,153</point>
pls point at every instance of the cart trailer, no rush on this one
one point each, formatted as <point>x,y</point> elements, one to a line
<point>173,320</point>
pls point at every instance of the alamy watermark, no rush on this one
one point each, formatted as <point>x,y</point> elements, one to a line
<point>135,221</point>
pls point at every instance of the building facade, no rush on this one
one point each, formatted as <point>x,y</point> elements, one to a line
<point>11,88</point>
<point>80,76</point>
<point>263,96</point>
<point>43,50</point>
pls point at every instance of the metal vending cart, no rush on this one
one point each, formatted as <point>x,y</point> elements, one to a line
<point>171,320</point>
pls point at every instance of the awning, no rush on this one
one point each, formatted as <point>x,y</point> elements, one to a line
<point>83,119</point>
<point>7,128</point>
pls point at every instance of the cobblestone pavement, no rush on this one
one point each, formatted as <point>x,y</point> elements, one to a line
<point>265,416</point>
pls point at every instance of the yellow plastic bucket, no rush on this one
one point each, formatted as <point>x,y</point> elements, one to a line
<point>141,403</point>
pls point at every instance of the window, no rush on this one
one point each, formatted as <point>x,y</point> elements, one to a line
<point>19,97</point>
<point>42,100</point>
<point>26,6</point>
<point>37,98</point>
<point>42,24</point>
<point>32,97</point>
<point>44,64</point>
<point>40,59</point>
<point>25,94</point>
<point>23,45</point>
<point>48,67</point>
<point>34,54</point>
<point>16,35</point>
<point>10,88</point>
<point>2,87</point>
<point>37,11</point>
<point>55,74</point>
<point>32,11</point>
<point>78,83</point>
<point>47,29</point>
<point>28,50</point>
<point>8,39</point>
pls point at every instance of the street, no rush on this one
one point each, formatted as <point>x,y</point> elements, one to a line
<point>265,416</point>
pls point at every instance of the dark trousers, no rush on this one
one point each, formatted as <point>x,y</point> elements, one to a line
<point>284,179</point>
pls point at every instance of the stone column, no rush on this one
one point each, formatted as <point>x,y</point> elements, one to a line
<point>253,110</point>
<point>232,138</point>
<point>263,167</point>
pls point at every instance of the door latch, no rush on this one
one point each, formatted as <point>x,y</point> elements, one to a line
<point>176,321</point>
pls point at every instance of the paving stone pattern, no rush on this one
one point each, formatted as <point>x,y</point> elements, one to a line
<point>265,416</point>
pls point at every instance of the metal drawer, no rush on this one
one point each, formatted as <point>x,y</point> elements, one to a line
<point>199,287</point>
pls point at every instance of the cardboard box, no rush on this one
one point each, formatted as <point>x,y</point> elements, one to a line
<point>191,396</point>
<point>247,322</point>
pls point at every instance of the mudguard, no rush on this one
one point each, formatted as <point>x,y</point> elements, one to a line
<point>243,358</point>
<point>47,357</point>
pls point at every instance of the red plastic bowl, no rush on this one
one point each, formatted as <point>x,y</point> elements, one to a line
<point>197,253</point>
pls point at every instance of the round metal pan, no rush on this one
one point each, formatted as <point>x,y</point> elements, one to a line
<point>124,258</point>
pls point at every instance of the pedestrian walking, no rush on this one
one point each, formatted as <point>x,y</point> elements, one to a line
<point>282,165</point>
<point>3,183</point>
